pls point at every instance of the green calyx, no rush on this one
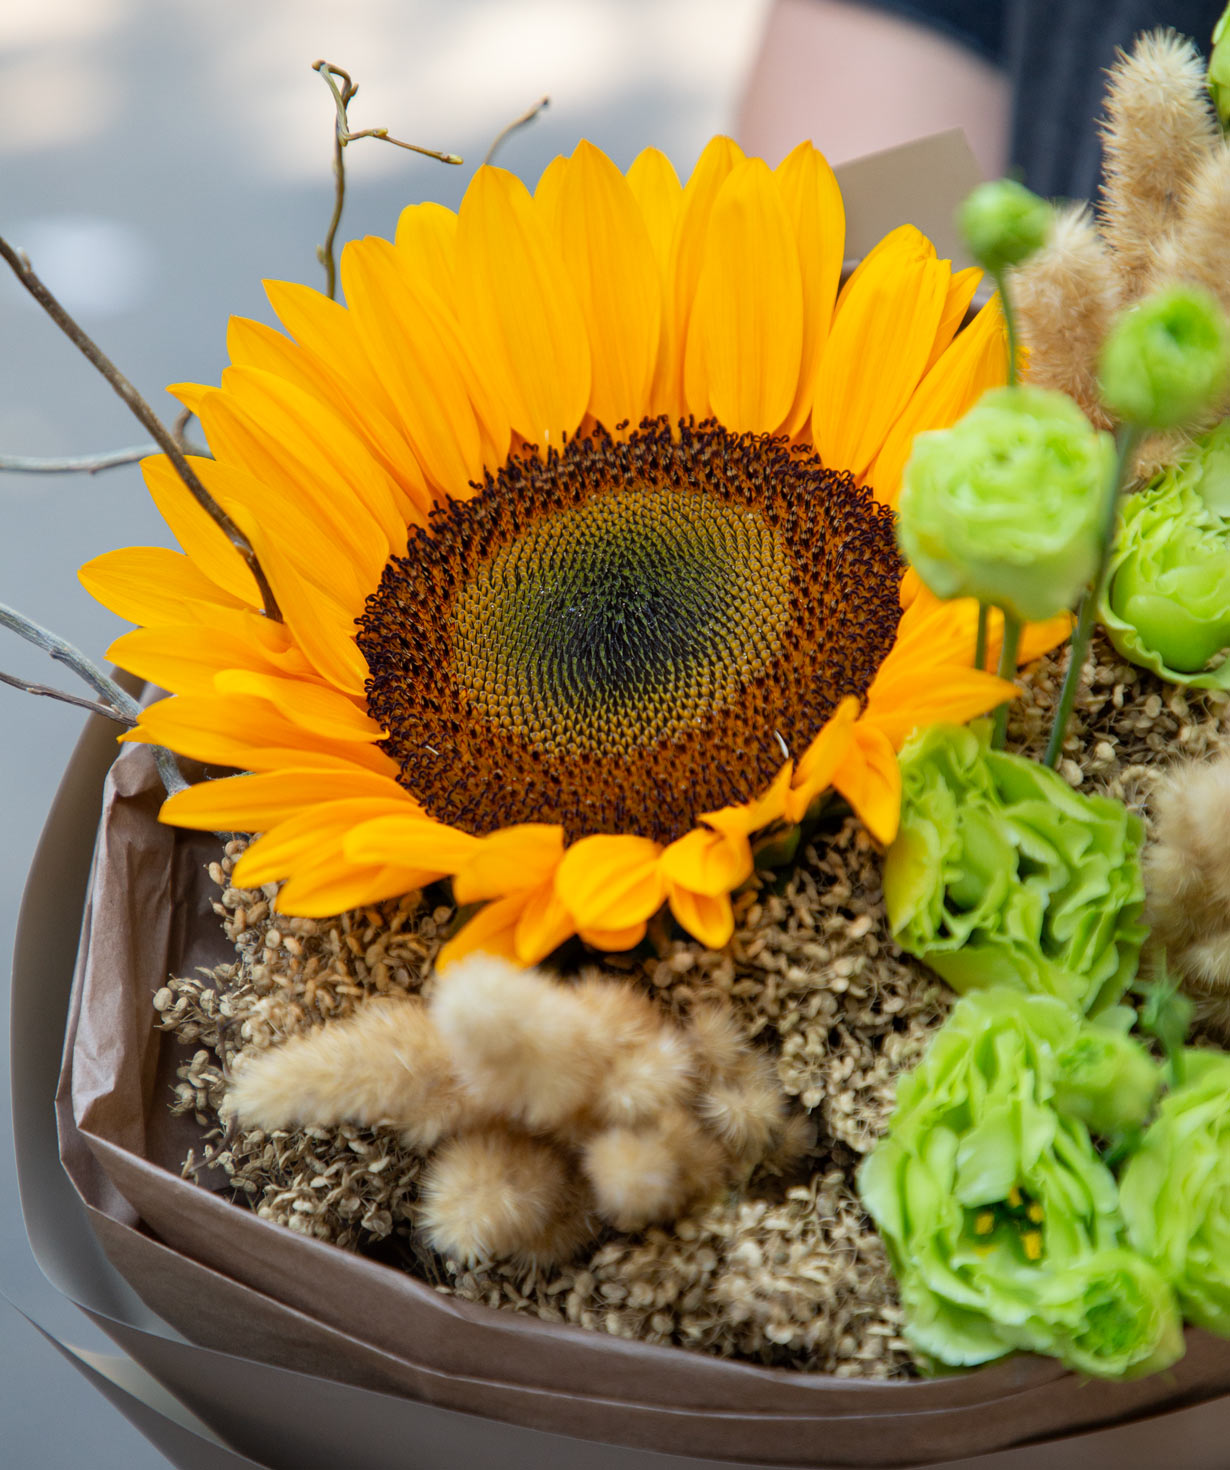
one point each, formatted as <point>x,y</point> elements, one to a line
<point>1001,874</point>
<point>1004,223</point>
<point>1166,599</point>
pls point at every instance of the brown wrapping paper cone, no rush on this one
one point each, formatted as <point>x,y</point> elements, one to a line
<point>240,1285</point>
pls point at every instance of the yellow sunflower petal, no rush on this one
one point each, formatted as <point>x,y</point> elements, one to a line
<point>611,882</point>
<point>184,658</point>
<point>406,838</point>
<point>427,239</point>
<point>938,693</point>
<point>609,259</point>
<point>255,803</point>
<point>720,155</point>
<point>542,926</point>
<point>708,918</point>
<point>748,308</point>
<point>245,732</point>
<point>493,930</point>
<point>976,360</point>
<point>869,778</point>
<point>204,542</point>
<point>708,863</point>
<point>656,188</point>
<point>816,766</point>
<point>317,708</point>
<point>320,889</point>
<point>876,351</point>
<point>406,329</point>
<point>519,311</point>
<point>514,858</point>
<point>291,441</point>
<point>150,584</point>
<point>961,287</point>
<point>744,818</point>
<point>317,833</point>
<point>614,940</point>
<point>817,215</point>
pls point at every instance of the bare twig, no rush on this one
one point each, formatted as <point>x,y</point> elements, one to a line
<point>179,432</point>
<point>83,464</point>
<point>24,272</point>
<point>98,708</point>
<point>526,117</point>
<point>342,98</point>
<point>118,704</point>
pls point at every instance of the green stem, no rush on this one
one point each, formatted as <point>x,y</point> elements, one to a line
<point>1005,301</point>
<point>1006,670</point>
<point>1126,442</point>
<point>980,642</point>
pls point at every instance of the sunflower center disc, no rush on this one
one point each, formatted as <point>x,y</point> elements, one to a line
<point>624,635</point>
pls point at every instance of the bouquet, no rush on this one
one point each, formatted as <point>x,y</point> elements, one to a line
<point>706,760</point>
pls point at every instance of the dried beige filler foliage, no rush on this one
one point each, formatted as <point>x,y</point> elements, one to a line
<point>782,1269</point>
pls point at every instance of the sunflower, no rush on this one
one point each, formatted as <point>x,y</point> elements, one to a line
<point>578,515</point>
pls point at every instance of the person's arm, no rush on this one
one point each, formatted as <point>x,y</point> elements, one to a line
<point>854,79</point>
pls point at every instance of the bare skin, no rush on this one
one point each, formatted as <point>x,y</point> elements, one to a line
<point>855,80</point>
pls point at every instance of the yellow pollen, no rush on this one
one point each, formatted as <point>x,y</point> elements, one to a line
<point>985,1223</point>
<point>1032,1241</point>
<point>1036,1213</point>
<point>1014,1197</point>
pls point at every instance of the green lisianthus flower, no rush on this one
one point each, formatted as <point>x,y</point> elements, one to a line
<point>1001,874</point>
<point>1166,599</point>
<point>1175,1191</point>
<point>1000,1219</point>
<point>1006,505</point>
<point>1107,1080</point>
<point>1004,223</point>
<point>1166,359</point>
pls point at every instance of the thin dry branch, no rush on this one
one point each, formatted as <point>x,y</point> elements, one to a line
<point>343,96</point>
<point>96,706</point>
<point>526,117</point>
<point>141,410</point>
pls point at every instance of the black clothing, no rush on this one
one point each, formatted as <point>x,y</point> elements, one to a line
<point>1055,53</point>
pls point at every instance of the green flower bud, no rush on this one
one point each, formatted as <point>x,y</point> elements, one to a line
<point>1166,599</point>
<point>1107,1080</point>
<point>1219,68</point>
<point>1006,505</point>
<point>1000,1219</point>
<point>1176,1191</point>
<point>1166,359</point>
<point>1003,223</point>
<point>1001,874</point>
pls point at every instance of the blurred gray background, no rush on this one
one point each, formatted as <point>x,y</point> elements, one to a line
<point>157,159</point>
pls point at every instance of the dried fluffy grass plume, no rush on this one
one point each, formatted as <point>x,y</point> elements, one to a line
<point>498,1194</point>
<point>524,1047</point>
<point>1187,880</point>
<point>1158,130</point>
<point>643,1175</point>
<point>384,1064</point>
<point>1066,295</point>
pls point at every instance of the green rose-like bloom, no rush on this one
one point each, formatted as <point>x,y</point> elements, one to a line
<point>1000,1219</point>
<point>1166,359</point>
<point>1166,600</point>
<point>1003,223</point>
<point>1001,874</point>
<point>1107,1080</point>
<point>1006,505</point>
<point>1176,1191</point>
